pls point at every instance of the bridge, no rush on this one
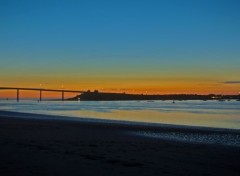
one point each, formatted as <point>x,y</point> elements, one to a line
<point>40,90</point>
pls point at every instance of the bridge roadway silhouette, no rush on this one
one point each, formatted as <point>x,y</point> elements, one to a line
<point>40,91</point>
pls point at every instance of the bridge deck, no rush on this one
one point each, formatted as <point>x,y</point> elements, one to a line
<point>41,89</point>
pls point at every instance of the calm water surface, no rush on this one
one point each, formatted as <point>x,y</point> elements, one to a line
<point>196,113</point>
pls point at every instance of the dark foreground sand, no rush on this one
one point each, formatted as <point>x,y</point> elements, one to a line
<point>59,147</point>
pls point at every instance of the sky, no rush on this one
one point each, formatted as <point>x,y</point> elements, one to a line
<point>133,46</point>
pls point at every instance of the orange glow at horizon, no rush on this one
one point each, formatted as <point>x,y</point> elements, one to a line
<point>132,88</point>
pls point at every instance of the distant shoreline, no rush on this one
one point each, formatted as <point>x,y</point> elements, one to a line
<point>105,96</point>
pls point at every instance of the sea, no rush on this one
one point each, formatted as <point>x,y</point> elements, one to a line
<point>216,115</point>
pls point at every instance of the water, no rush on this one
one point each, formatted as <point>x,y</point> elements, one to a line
<point>229,139</point>
<point>194,113</point>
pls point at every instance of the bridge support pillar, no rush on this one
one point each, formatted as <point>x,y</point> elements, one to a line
<point>62,95</point>
<point>40,95</point>
<point>17,95</point>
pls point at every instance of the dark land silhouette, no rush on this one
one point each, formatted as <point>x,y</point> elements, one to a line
<point>104,96</point>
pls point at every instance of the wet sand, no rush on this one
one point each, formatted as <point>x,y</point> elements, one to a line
<point>44,146</point>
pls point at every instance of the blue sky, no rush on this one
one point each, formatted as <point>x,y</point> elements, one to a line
<point>138,38</point>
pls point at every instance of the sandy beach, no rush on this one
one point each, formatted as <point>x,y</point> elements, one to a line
<point>44,146</point>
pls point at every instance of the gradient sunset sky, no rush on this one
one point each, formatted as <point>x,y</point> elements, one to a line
<point>134,46</point>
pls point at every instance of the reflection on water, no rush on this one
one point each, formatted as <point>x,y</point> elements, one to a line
<point>197,113</point>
